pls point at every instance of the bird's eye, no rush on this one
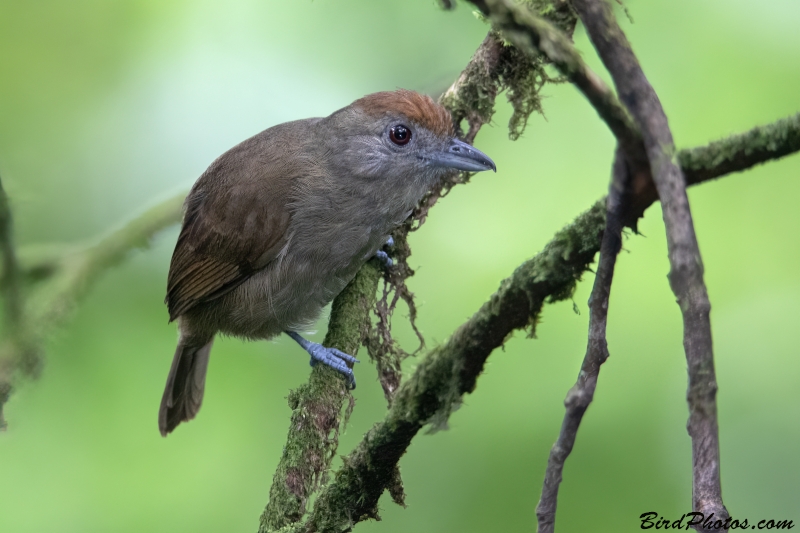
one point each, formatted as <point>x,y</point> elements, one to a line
<point>400,134</point>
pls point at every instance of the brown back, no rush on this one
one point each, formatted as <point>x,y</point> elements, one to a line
<point>236,218</point>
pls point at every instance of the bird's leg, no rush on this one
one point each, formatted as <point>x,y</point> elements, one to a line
<point>382,256</point>
<point>336,359</point>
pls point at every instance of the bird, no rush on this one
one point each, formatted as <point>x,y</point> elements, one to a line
<point>277,226</point>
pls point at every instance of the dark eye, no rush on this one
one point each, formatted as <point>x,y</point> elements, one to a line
<point>400,134</point>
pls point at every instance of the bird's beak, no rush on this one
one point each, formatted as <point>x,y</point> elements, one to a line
<point>462,156</point>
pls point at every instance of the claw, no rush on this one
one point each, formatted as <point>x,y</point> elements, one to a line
<point>331,357</point>
<point>384,258</point>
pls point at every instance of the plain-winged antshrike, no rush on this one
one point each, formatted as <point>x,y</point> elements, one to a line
<point>279,224</point>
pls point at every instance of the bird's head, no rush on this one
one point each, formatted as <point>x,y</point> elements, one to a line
<point>399,138</point>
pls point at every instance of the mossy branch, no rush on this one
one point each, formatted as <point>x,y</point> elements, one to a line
<point>63,279</point>
<point>317,407</point>
<point>534,35</point>
<point>451,370</point>
<point>741,151</point>
<point>74,271</point>
<point>495,67</point>
<point>498,66</point>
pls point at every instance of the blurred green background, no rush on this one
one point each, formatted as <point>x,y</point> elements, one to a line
<point>107,106</point>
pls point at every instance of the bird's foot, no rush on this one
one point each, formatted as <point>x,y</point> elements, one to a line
<point>336,359</point>
<point>383,257</point>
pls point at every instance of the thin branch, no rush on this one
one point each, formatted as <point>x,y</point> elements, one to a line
<point>75,272</point>
<point>536,36</point>
<point>686,266</point>
<point>449,371</point>
<point>581,394</point>
<point>732,154</point>
<point>68,278</point>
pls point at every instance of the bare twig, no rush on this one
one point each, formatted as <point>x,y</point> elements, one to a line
<point>581,394</point>
<point>686,266</point>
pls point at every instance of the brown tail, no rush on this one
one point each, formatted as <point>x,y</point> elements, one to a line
<point>183,394</point>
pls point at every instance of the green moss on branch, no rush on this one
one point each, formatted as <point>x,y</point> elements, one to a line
<point>498,66</point>
<point>741,151</point>
<point>317,407</point>
<point>525,27</point>
<point>451,370</point>
<point>66,279</point>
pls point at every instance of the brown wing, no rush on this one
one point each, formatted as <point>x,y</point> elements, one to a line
<point>235,224</point>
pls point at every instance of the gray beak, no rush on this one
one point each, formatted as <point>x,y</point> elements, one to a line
<point>462,156</point>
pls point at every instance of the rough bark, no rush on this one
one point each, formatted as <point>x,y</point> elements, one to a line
<point>582,393</point>
<point>686,265</point>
